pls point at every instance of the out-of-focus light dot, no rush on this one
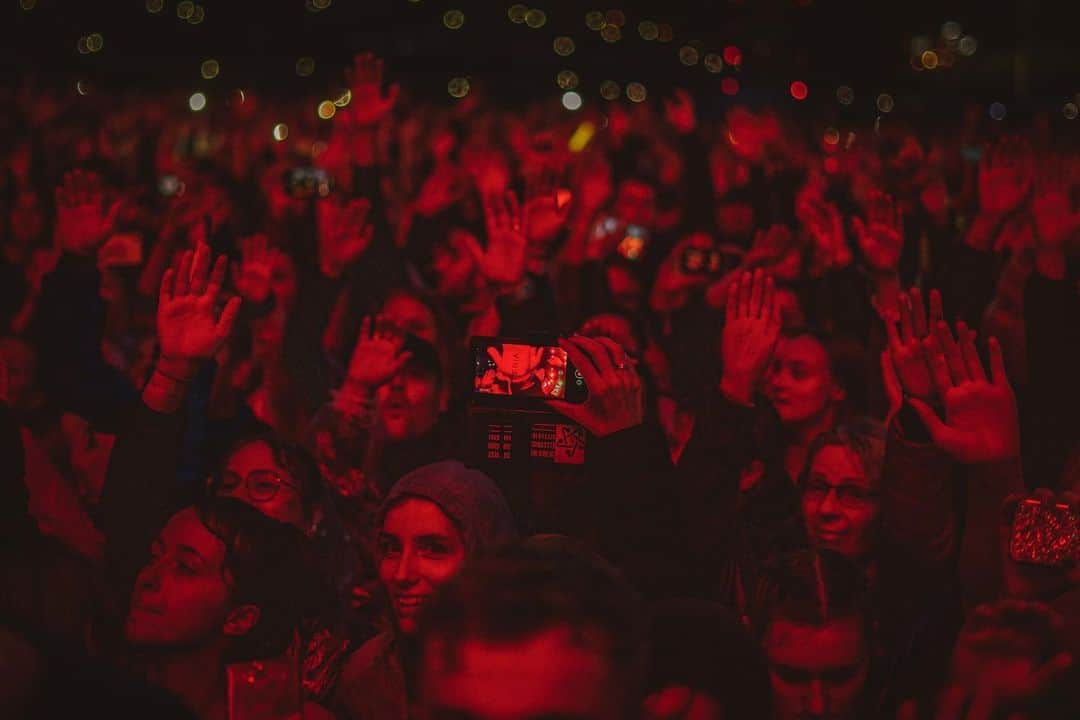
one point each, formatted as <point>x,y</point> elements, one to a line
<point>729,86</point>
<point>997,111</point>
<point>326,110</point>
<point>615,17</point>
<point>648,30</point>
<point>594,20</point>
<point>197,15</point>
<point>920,44</point>
<point>968,45</point>
<point>280,132</point>
<point>318,148</point>
<point>458,87</point>
<point>571,100</point>
<point>305,66</point>
<point>929,59</point>
<point>210,69</point>
<point>636,92</point>
<point>239,96</point>
<point>916,64</point>
<point>714,63</point>
<point>1070,111</point>
<point>95,42</point>
<point>567,80</point>
<point>666,33</point>
<point>610,90</point>
<point>799,91</point>
<point>517,13</point>
<point>536,18</point>
<point>185,9</point>
<point>453,19</point>
<point>197,101</point>
<point>885,103</point>
<point>320,4</point>
<point>82,46</point>
<point>611,33</point>
<point>82,87</point>
<point>832,136</point>
<point>951,30</point>
<point>845,95</point>
<point>155,6</point>
<point>946,58</point>
<point>564,46</point>
<point>688,55</point>
<point>344,98</point>
<point>733,56</point>
<point>28,5</point>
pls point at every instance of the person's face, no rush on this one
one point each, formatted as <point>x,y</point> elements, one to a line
<point>839,505</point>
<point>181,597</point>
<point>554,673</point>
<point>269,335</point>
<point>635,203</point>
<point>420,550</point>
<point>410,315</point>
<point>816,672</point>
<point>409,404</point>
<point>454,268</point>
<point>272,490</point>
<point>799,382</point>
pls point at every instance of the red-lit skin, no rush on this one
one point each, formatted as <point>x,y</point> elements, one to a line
<point>409,404</point>
<point>829,525</point>
<point>635,203</point>
<point>420,550</point>
<point>283,284</point>
<point>456,274</point>
<point>286,505</point>
<point>556,672</point>
<point>678,701</point>
<point>816,672</point>
<point>412,316</point>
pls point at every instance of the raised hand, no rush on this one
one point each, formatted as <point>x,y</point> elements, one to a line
<point>616,399</point>
<point>825,225</point>
<point>370,103</point>
<point>83,220</point>
<point>190,326</point>
<point>906,343</point>
<point>1005,175</point>
<point>441,189</point>
<point>1052,207</point>
<point>881,237</point>
<point>378,355</point>
<point>751,329</point>
<point>251,276</point>
<point>546,209</point>
<point>679,111</point>
<point>981,423</point>
<point>344,232</point>
<point>502,262</point>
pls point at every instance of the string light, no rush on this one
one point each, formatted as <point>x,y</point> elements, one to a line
<point>185,9</point>
<point>198,14</point>
<point>458,87</point>
<point>517,13</point>
<point>594,20</point>
<point>611,33</point>
<point>967,45</point>
<point>453,19</point>
<point>326,110</point>
<point>280,132</point>
<point>564,46</point>
<point>567,80</point>
<point>610,90</point>
<point>929,59</point>
<point>951,30</point>
<point>571,100</point>
<point>648,30</point>
<point>535,18</point>
<point>688,55</point>
<point>636,92</point>
<point>197,102</point>
<point>832,136</point>
<point>209,69</point>
<point>714,63</point>
<point>344,98</point>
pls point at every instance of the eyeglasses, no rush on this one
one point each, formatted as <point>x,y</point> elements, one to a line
<point>262,485</point>
<point>847,495</point>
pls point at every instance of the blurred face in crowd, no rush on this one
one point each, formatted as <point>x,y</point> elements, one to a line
<point>816,671</point>
<point>181,597</point>
<point>252,474</point>
<point>420,550</point>
<point>555,673</point>
<point>409,315</point>
<point>839,505</point>
<point>799,382</point>
<point>635,203</point>
<point>410,403</point>
<point>455,270</point>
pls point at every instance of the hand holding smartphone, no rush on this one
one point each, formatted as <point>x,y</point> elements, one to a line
<point>525,369</point>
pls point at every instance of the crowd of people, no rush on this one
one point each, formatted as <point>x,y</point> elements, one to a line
<point>237,381</point>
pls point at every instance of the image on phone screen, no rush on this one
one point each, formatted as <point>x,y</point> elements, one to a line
<point>518,369</point>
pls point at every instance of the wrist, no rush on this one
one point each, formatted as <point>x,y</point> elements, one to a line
<point>738,387</point>
<point>180,370</point>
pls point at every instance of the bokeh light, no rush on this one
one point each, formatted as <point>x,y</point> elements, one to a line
<point>458,87</point>
<point>28,5</point>
<point>929,59</point>
<point>611,33</point>
<point>185,9</point>
<point>82,87</point>
<point>615,17</point>
<point>344,98</point>
<point>729,86</point>
<point>567,79</point>
<point>280,132</point>
<point>832,136</point>
<point>845,95</point>
<point>885,103</point>
<point>197,15</point>
<point>666,33</point>
<point>733,56</point>
<point>648,30</point>
<point>155,6</point>
<point>799,91</point>
<point>967,46</point>
<point>1070,111</point>
<point>636,92</point>
<point>564,46</point>
<point>197,101</point>
<point>82,47</point>
<point>689,55</point>
<point>920,44</point>
<point>95,42</point>
<point>594,20</point>
<point>517,13</point>
<point>571,100</point>
<point>714,63</point>
<point>321,4</point>
<point>326,110</point>
<point>305,66</point>
<point>610,90</point>
<point>997,111</point>
<point>536,18</point>
<point>209,69</point>
<point>453,19</point>
<point>951,30</point>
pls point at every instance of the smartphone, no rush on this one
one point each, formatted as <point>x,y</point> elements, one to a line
<point>1045,534</point>
<point>264,689</point>
<point>634,243</point>
<point>170,186</point>
<point>307,181</point>
<point>525,369</point>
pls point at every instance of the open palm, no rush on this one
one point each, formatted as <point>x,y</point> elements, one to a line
<point>190,326</point>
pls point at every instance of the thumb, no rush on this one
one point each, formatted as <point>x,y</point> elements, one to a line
<point>472,246</point>
<point>939,431</point>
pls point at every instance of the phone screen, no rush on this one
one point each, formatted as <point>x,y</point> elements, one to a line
<point>512,368</point>
<point>1045,534</point>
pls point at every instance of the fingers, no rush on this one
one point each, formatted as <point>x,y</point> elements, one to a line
<point>953,357</point>
<point>166,291</point>
<point>944,436</point>
<point>601,357</point>
<point>217,277</point>
<point>757,290</point>
<point>183,274</point>
<point>731,307</point>
<point>199,266</point>
<point>937,314</point>
<point>228,317</point>
<point>892,381</point>
<point>939,368</point>
<point>907,330</point>
<point>768,301</point>
<point>918,313</point>
<point>969,353</point>
<point>997,363</point>
<point>745,291</point>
